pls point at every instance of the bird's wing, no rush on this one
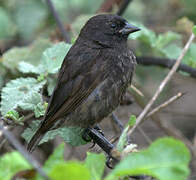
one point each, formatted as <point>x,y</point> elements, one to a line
<point>79,75</point>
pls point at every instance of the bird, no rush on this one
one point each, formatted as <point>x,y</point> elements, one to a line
<point>93,77</point>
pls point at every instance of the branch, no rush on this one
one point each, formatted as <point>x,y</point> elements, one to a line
<point>166,126</point>
<point>164,62</point>
<point>123,7</point>
<point>169,101</point>
<point>162,85</point>
<point>58,21</point>
<point>9,136</point>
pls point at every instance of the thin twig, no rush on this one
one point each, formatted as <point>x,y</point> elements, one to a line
<point>166,103</point>
<point>123,7</point>
<point>137,90</point>
<point>9,136</point>
<point>165,126</point>
<point>166,63</point>
<point>58,21</point>
<point>163,84</point>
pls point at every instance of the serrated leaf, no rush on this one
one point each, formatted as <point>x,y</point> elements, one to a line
<point>12,115</point>
<point>55,158</point>
<point>39,109</point>
<point>21,92</point>
<point>25,67</point>
<point>53,57</point>
<point>71,171</point>
<point>165,159</point>
<point>11,163</point>
<point>95,164</point>
<point>50,62</point>
<point>71,135</point>
<point>51,84</point>
<point>31,55</point>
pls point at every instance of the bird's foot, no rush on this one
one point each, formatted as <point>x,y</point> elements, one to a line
<point>87,138</point>
<point>99,130</point>
<point>85,135</point>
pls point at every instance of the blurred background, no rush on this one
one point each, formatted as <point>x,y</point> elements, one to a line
<point>166,26</point>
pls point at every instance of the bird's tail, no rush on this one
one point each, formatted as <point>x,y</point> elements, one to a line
<point>35,141</point>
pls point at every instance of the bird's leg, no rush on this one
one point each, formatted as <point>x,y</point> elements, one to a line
<point>99,130</point>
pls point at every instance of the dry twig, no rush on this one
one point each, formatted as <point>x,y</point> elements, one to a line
<point>166,126</point>
<point>58,21</point>
<point>166,103</point>
<point>9,136</point>
<point>162,85</point>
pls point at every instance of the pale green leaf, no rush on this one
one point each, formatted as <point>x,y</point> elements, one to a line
<point>30,54</point>
<point>7,27</point>
<point>165,159</point>
<point>95,164</point>
<point>71,135</point>
<point>172,51</point>
<point>122,140</point>
<point>53,57</point>
<point>21,92</point>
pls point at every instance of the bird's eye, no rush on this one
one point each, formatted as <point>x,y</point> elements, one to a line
<point>113,25</point>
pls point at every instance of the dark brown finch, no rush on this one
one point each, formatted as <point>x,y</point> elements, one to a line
<point>93,77</point>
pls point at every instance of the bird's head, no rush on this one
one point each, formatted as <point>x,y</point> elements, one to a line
<point>107,29</point>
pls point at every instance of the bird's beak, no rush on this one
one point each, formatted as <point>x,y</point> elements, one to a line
<point>128,28</point>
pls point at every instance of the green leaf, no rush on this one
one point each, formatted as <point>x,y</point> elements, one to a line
<point>132,120</point>
<point>165,39</point>
<point>194,30</point>
<point>21,92</point>
<point>165,159</point>
<point>14,116</point>
<point>50,62</point>
<point>53,57</point>
<point>146,35</point>
<point>190,57</point>
<point>7,27</point>
<point>122,140</point>
<point>172,51</point>
<point>11,163</point>
<point>95,164</point>
<point>31,55</point>
<point>51,84</point>
<point>26,68</point>
<point>55,158</point>
<point>39,109</point>
<point>71,171</point>
<point>71,135</point>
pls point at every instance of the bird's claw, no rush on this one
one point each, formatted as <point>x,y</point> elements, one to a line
<point>85,135</point>
<point>99,130</point>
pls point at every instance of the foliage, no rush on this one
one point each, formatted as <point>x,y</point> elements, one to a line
<point>166,159</point>
<point>29,72</point>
